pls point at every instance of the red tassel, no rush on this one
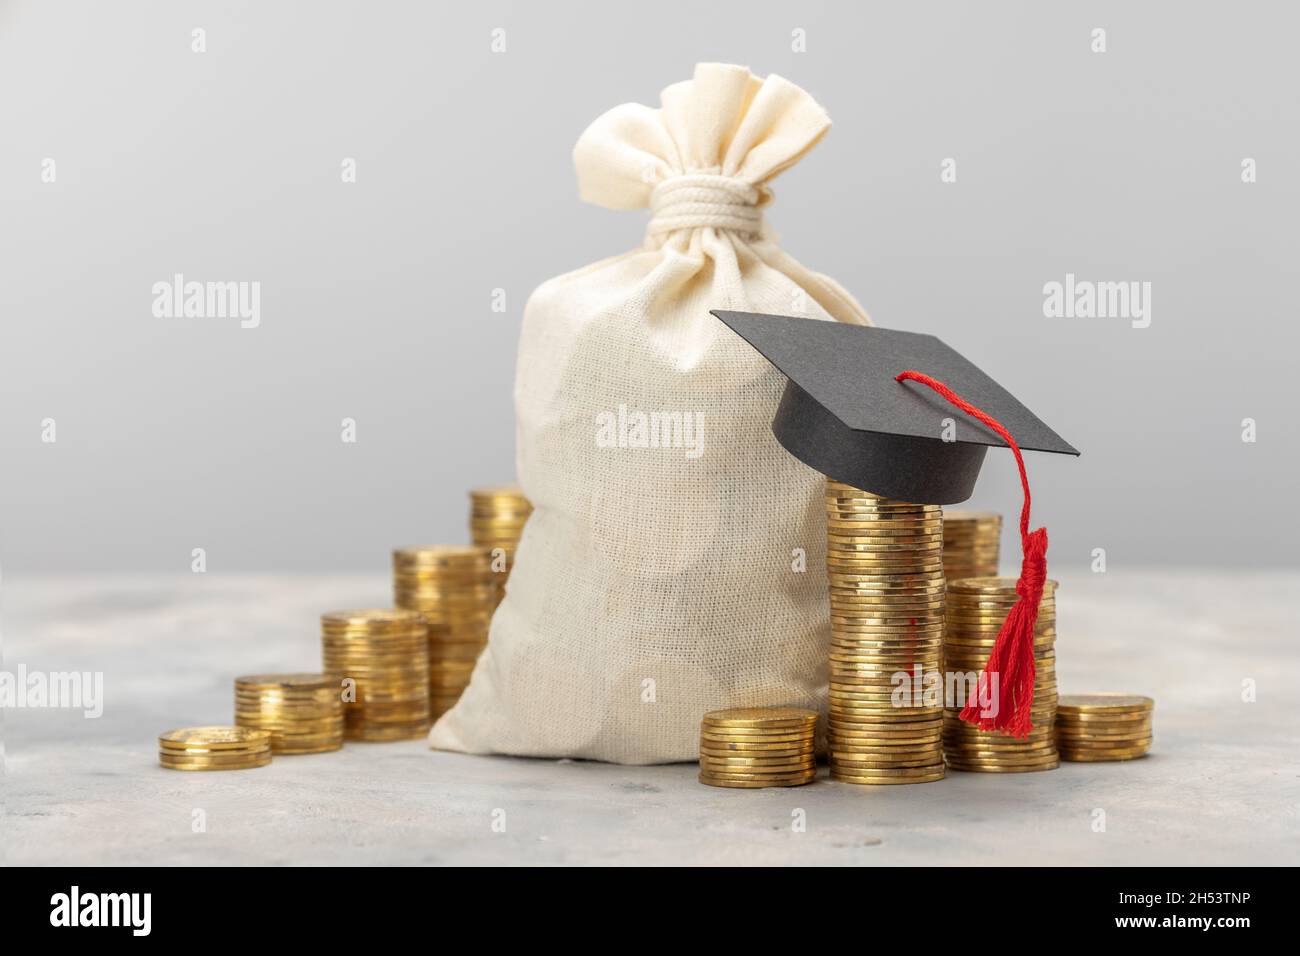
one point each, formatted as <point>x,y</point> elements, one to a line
<point>1012,658</point>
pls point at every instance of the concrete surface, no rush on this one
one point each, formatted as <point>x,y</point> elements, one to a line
<point>1220,787</point>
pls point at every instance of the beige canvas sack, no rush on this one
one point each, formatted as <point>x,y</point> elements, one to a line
<point>658,577</point>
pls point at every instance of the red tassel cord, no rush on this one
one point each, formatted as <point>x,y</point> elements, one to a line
<point>1012,659</point>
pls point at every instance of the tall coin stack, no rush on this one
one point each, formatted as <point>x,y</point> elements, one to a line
<point>302,712</point>
<point>752,747</point>
<point>976,609</point>
<point>454,588</point>
<point>884,564</point>
<point>386,653</point>
<point>970,544</point>
<point>1093,727</point>
<point>496,520</point>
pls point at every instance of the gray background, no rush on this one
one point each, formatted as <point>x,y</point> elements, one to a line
<point>175,433</point>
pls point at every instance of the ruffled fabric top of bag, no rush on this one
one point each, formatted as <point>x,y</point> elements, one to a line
<point>705,157</point>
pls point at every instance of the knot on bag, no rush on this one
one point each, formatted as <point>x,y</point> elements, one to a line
<point>699,200</point>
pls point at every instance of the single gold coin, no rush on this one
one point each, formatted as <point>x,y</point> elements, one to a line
<point>882,730</point>
<point>888,561</point>
<point>959,742</point>
<point>867,746</point>
<point>901,760</point>
<point>886,777</point>
<point>762,716</point>
<point>887,742</point>
<point>842,751</point>
<point>881,672</point>
<point>782,776</point>
<point>292,750</point>
<point>1100,756</point>
<point>214,757</point>
<point>1007,747</point>
<point>868,711</point>
<point>756,758</point>
<point>437,554</point>
<point>1120,744</point>
<point>911,728</point>
<point>1036,751</point>
<point>849,508</point>
<point>852,760</point>
<point>261,761</point>
<point>737,759</point>
<point>962,516</point>
<point>756,747</point>
<point>889,716</point>
<point>371,617</point>
<point>922,585</point>
<point>714,767</point>
<point>993,768</point>
<point>861,613</point>
<point>713,738</point>
<point>1093,723</point>
<point>868,664</point>
<point>909,771</point>
<point>215,738</point>
<point>850,764</point>
<point>1105,703</point>
<point>994,585</point>
<point>804,728</point>
<point>756,785</point>
<point>301,684</point>
<point>1136,731</point>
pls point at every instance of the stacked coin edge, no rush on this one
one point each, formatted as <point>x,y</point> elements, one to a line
<point>496,522</point>
<point>302,712</point>
<point>758,747</point>
<point>455,589</point>
<point>1092,728</point>
<point>384,652</point>
<point>976,609</point>
<point>885,577</point>
<point>971,540</point>
<point>214,748</point>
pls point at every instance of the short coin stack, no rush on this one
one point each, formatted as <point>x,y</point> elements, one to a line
<point>1093,727</point>
<point>976,609</point>
<point>496,520</point>
<point>754,747</point>
<point>454,588</point>
<point>885,569</point>
<point>385,653</point>
<point>214,748</point>
<point>970,544</point>
<point>302,712</point>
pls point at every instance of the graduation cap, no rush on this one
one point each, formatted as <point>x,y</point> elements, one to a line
<point>902,415</point>
<point>844,414</point>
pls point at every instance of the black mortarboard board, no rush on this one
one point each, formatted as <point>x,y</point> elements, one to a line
<point>844,414</point>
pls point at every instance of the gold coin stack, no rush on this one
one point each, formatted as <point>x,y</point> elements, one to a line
<point>1093,727</point>
<point>302,712</point>
<point>970,544</point>
<point>454,588</point>
<point>214,748</point>
<point>976,609</point>
<point>884,565</point>
<point>496,520</point>
<point>385,652</point>
<point>753,747</point>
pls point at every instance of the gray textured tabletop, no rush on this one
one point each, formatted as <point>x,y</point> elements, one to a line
<point>1221,785</point>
